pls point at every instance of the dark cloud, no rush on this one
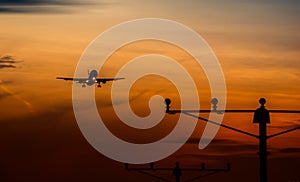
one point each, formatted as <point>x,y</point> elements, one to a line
<point>290,150</point>
<point>4,95</point>
<point>8,59</point>
<point>31,9</point>
<point>215,141</point>
<point>231,148</point>
<point>38,2</point>
<point>5,82</point>
<point>40,6</point>
<point>7,62</point>
<point>224,147</point>
<point>6,66</point>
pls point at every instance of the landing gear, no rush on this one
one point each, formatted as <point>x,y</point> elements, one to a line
<point>83,86</point>
<point>98,85</point>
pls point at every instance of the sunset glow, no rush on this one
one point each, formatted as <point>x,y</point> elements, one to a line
<point>257,44</point>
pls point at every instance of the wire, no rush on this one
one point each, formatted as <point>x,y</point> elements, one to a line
<point>283,132</point>
<point>152,175</point>
<point>222,125</point>
<point>202,176</point>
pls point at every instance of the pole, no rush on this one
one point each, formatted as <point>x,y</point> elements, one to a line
<point>177,172</point>
<point>261,116</point>
<point>263,152</point>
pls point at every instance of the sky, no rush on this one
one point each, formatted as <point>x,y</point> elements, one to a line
<point>256,42</point>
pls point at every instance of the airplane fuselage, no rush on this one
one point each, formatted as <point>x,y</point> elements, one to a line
<point>92,79</point>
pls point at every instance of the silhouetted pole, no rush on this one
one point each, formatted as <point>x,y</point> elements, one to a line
<point>262,117</point>
<point>177,172</point>
<point>263,152</point>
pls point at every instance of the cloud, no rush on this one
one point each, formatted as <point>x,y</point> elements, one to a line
<point>39,6</point>
<point>286,125</point>
<point>290,150</point>
<point>38,2</point>
<point>7,59</point>
<point>6,66</point>
<point>223,147</point>
<point>4,95</point>
<point>5,82</point>
<point>27,10</point>
<point>7,62</point>
<point>230,148</point>
<point>215,141</point>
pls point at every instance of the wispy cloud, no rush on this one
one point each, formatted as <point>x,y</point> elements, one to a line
<point>40,6</point>
<point>39,2</point>
<point>287,124</point>
<point>7,92</point>
<point>4,95</point>
<point>6,66</point>
<point>221,148</point>
<point>7,62</point>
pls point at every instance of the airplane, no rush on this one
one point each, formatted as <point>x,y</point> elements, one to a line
<point>90,80</point>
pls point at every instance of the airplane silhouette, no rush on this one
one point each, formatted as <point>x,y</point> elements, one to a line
<point>90,80</point>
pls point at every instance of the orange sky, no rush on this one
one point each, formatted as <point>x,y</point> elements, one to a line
<point>256,42</point>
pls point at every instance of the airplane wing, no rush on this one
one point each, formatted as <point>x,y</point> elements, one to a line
<point>80,80</point>
<point>104,80</point>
